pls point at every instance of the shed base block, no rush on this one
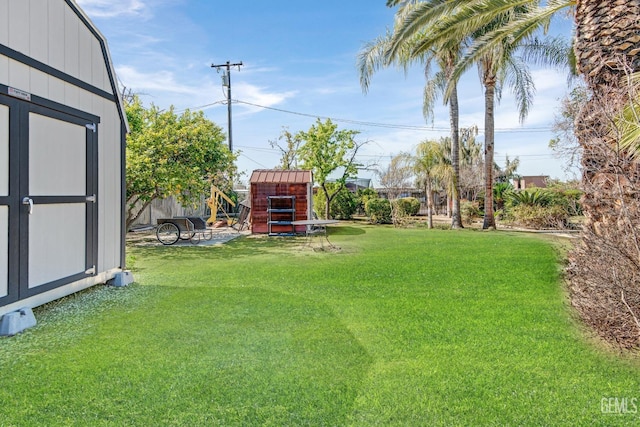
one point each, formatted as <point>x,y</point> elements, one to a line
<point>17,321</point>
<point>122,278</point>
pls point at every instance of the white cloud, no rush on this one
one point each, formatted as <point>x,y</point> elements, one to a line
<point>112,8</point>
<point>160,81</point>
<point>258,95</point>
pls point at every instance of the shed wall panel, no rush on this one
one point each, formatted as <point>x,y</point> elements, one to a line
<point>55,89</point>
<point>4,23</point>
<point>109,188</point>
<point>19,76</point>
<point>71,43</point>
<point>98,70</point>
<point>72,95</point>
<point>4,69</point>
<point>19,25</point>
<point>56,34</point>
<point>38,82</point>
<point>85,45</point>
<point>38,32</point>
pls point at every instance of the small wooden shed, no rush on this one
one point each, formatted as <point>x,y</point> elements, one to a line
<point>62,158</point>
<point>279,197</point>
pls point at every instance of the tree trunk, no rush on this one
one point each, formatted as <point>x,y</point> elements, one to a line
<point>429,204</point>
<point>327,202</point>
<point>604,269</point>
<point>489,140</point>
<point>454,114</point>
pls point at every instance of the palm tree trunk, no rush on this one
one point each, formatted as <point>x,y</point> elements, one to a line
<point>429,204</point>
<point>604,268</point>
<point>454,115</point>
<point>489,140</point>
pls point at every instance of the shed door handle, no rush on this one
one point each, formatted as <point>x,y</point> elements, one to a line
<point>28,201</point>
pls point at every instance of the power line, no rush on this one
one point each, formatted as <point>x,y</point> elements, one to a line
<point>387,125</point>
<point>202,107</point>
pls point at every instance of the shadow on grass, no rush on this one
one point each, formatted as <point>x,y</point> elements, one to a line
<point>346,231</point>
<point>242,247</point>
<point>196,356</point>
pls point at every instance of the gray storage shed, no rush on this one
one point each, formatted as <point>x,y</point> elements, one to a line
<point>62,142</point>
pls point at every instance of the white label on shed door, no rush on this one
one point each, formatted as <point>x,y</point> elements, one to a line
<point>4,150</point>
<point>57,157</point>
<point>4,251</point>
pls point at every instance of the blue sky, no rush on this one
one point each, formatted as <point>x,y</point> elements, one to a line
<point>299,63</point>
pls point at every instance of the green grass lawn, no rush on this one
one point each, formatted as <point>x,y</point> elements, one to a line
<point>406,327</point>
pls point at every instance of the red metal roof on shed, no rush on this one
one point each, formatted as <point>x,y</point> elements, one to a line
<point>277,176</point>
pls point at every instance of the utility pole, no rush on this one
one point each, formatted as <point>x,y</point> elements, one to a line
<point>226,82</point>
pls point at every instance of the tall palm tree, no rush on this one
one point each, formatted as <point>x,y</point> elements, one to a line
<point>605,268</point>
<point>377,54</point>
<point>496,66</point>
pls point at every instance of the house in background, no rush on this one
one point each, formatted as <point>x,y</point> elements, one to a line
<point>62,155</point>
<point>539,181</point>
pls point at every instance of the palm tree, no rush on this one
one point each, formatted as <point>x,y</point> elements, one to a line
<point>379,53</point>
<point>605,266</point>
<point>496,66</point>
<point>431,166</point>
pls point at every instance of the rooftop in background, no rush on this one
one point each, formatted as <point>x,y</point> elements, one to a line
<point>276,176</point>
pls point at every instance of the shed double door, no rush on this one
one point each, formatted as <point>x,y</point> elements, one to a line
<point>48,183</point>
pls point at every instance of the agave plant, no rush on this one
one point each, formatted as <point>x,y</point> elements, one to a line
<point>529,197</point>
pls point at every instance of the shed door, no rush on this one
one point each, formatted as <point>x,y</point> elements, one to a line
<point>50,214</point>
<point>58,200</point>
<point>4,201</point>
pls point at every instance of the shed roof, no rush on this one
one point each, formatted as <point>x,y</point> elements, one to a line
<point>73,4</point>
<point>278,176</point>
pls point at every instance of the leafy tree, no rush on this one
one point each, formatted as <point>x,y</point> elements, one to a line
<point>564,142</point>
<point>327,150</point>
<point>343,205</point>
<point>397,175</point>
<point>289,153</point>
<point>171,155</point>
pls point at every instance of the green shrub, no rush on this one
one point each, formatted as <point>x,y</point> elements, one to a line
<point>469,211</point>
<point>378,210</point>
<point>529,197</point>
<point>343,205</point>
<point>362,196</point>
<point>407,206</point>
<point>540,217</point>
<point>569,199</point>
